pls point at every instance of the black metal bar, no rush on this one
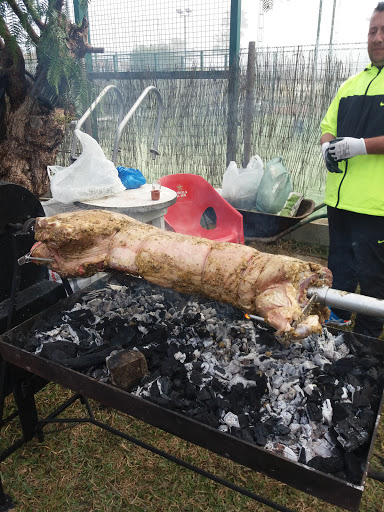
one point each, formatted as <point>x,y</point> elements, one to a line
<point>64,406</point>
<point>35,426</point>
<point>67,286</point>
<point>167,456</point>
<point>24,386</point>
<point>9,418</point>
<point>54,414</point>
<point>25,401</point>
<point>194,468</point>
<point>135,75</point>
<point>11,449</point>
<point>16,275</point>
<point>85,401</point>
<point>376,475</point>
<point>5,500</point>
<point>3,372</point>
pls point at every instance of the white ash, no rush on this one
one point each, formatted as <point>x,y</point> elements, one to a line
<point>231,420</point>
<point>179,356</point>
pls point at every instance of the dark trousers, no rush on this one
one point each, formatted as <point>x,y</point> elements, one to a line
<point>356,256</point>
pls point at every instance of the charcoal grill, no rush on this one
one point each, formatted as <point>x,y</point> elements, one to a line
<point>324,486</point>
<point>28,298</point>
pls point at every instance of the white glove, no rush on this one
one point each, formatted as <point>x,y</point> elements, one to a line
<point>324,148</point>
<point>346,147</point>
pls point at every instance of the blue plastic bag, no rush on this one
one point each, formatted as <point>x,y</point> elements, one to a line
<point>131,178</point>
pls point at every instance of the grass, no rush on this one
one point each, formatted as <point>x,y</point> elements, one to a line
<point>86,469</point>
<point>294,248</point>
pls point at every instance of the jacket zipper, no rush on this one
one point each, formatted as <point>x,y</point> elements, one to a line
<point>341,182</point>
<point>346,163</point>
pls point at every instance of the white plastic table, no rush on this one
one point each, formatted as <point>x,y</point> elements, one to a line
<point>136,203</point>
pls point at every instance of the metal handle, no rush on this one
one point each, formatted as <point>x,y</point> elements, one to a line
<point>348,301</point>
<point>87,113</point>
<point>121,126</point>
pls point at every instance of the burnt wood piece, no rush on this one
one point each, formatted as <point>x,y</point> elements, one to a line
<point>127,368</point>
<point>80,362</point>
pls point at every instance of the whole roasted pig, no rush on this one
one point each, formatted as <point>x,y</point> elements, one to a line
<point>84,242</point>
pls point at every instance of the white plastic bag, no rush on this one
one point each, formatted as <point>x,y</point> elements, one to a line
<point>240,186</point>
<point>91,176</point>
<point>274,187</point>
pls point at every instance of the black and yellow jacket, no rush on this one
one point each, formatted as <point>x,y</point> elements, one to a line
<point>358,111</point>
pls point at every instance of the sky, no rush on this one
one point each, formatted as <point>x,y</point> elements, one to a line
<point>289,23</point>
<point>294,22</point>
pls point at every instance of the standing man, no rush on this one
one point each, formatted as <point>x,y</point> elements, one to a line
<point>353,149</point>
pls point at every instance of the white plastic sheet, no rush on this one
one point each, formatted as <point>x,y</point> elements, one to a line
<point>91,176</point>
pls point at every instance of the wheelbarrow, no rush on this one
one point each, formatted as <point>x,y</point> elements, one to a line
<point>267,228</point>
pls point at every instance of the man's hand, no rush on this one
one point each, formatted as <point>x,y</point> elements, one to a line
<point>330,162</point>
<point>343,148</point>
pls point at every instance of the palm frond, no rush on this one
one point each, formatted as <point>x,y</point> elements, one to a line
<point>62,73</point>
<point>42,7</point>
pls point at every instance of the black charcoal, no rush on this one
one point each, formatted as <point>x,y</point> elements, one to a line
<point>351,434</point>
<point>206,361</point>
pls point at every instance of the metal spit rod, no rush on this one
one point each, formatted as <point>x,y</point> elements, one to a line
<point>27,258</point>
<point>348,301</point>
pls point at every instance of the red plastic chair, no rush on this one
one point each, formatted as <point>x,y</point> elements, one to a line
<point>188,215</point>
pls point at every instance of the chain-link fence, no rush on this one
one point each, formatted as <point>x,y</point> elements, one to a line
<point>293,89</point>
<point>182,48</point>
<point>163,35</point>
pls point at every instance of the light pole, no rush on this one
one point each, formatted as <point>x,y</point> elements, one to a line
<point>185,12</point>
<point>332,26</point>
<point>317,37</point>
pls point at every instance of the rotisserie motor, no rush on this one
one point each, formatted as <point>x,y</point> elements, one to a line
<point>82,243</point>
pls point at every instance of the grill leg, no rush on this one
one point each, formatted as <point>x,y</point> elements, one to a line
<point>25,401</point>
<point>6,502</point>
<point>3,370</point>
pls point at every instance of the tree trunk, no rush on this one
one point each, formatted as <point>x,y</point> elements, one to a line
<point>33,137</point>
<point>31,129</point>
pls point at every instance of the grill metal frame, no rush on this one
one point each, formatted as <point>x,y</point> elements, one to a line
<point>318,484</point>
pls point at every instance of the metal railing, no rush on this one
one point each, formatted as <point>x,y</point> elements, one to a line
<point>88,112</point>
<point>120,128</point>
